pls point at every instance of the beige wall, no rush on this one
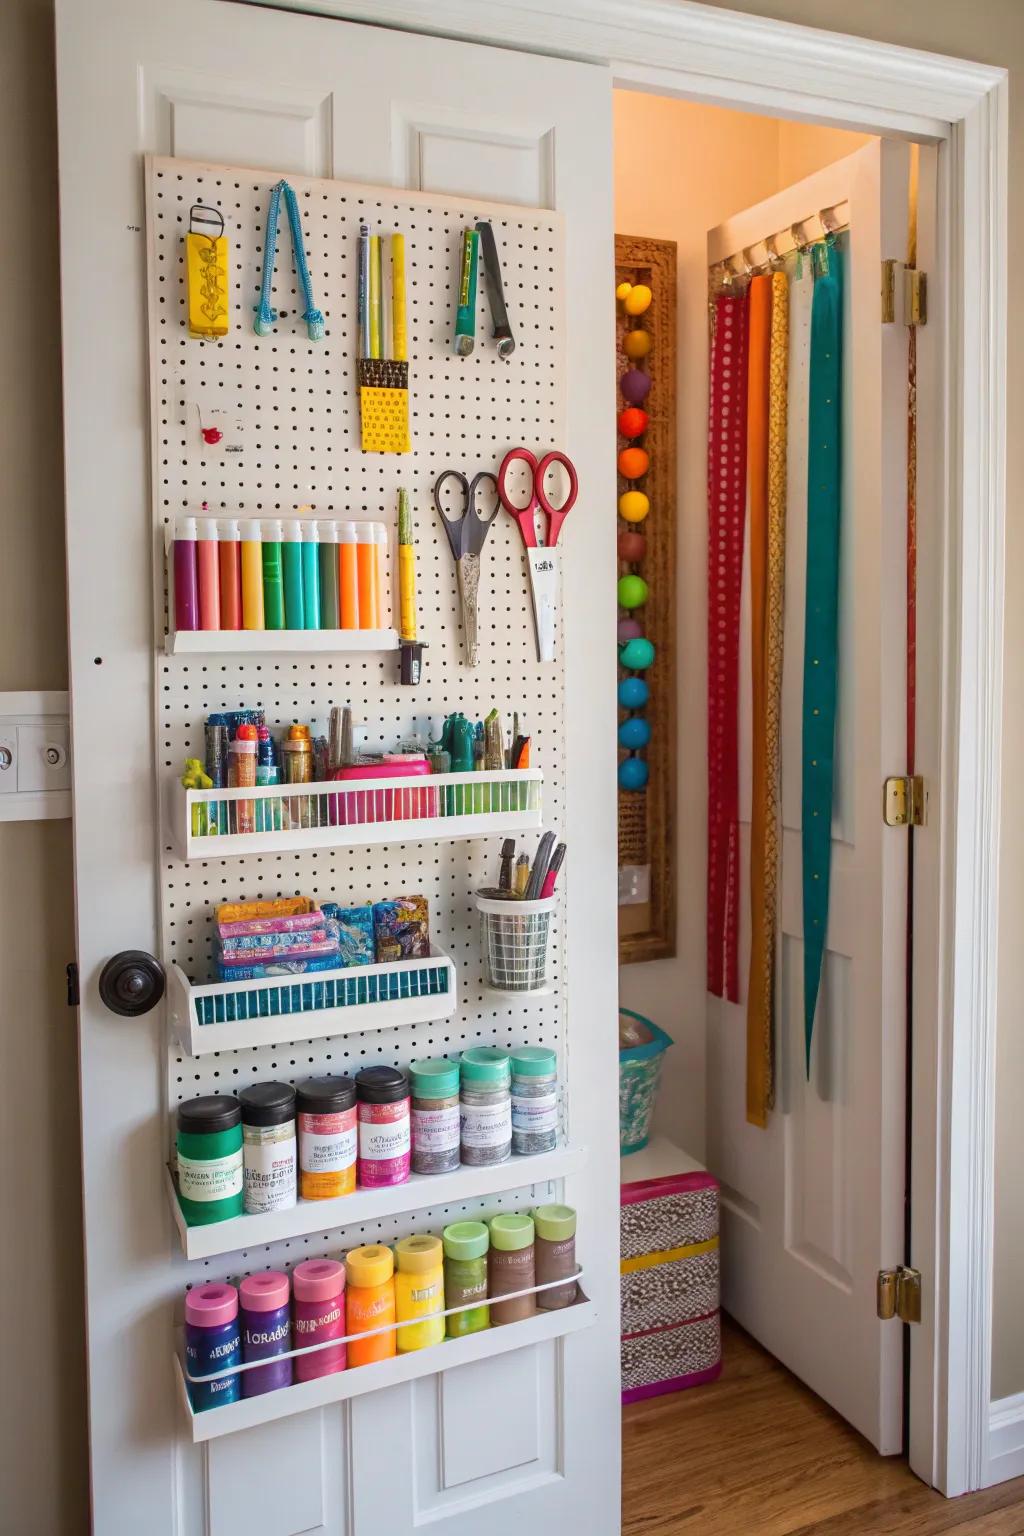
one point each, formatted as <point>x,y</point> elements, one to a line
<point>43,1473</point>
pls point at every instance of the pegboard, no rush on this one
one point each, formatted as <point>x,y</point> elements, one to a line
<point>293,437</point>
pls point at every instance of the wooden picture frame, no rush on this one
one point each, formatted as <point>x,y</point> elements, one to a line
<point>647,818</point>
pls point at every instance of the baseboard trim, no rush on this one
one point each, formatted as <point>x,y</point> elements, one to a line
<point>1004,1456</point>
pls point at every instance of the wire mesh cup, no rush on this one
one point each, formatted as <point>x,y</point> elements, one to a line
<point>514,943</point>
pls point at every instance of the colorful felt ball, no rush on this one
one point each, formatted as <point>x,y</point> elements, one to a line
<point>637,654</point>
<point>623,290</point>
<point>633,773</point>
<point>638,299</point>
<point>633,693</point>
<point>634,462</point>
<point>629,629</point>
<point>635,733</point>
<point>635,386</point>
<point>632,421</point>
<point>632,591</point>
<point>636,345</point>
<point>634,506</point>
<point>631,547</point>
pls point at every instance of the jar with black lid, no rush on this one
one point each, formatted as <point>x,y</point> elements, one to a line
<point>209,1151</point>
<point>268,1146</point>
<point>385,1129</point>
<point>327,1137</point>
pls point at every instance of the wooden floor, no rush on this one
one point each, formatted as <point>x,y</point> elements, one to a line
<point>756,1452</point>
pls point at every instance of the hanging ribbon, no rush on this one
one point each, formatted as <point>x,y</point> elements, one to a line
<point>769,324</point>
<point>727,477</point>
<point>266,315</point>
<point>821,620</point>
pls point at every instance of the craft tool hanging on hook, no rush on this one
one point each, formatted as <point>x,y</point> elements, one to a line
<point>411,649</point>
<point>206,273</point>
<point>465,318</point>
<point>266,315</point>
<point>502,330</point>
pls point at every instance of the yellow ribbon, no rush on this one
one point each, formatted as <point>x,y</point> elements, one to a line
<point>666,1256</point>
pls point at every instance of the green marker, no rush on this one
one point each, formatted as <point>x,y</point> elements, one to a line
<point>273,585</point>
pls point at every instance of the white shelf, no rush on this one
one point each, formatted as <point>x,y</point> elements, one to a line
<point>422,1190</point>
<point>277,642</point>
<point>341,1385</point>
<point>347,813</point>
<point>660,1159</point>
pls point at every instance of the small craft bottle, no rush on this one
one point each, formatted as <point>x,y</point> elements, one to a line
<point>242,775</point>
<point>485,1107</point>
<point>327,1137</point>
<point>510,1268</point>
<point>265,1304</point>
<point>369,580</point>
<point>555,1250</point>
<point>370,1303</point>
<point>208,574</point>
<point>310,575</point>
<point>186,575</point>
<point>230,566</point>
<point>251,559</point>
<point>435,1116</point>
<point>273,578</point>
<point>419,1291</point>
<point>294,607</point>
<point>212,1343</point>
<point>385,1132</point>
<point>327,555</point>
<point>268,1146</point>
<point>534,1100</point>
<point>465,1276</point>
<point>209,1147</point>
<point>319,1314</point>
<point>348,575</point>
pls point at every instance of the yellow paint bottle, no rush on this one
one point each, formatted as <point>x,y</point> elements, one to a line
<point>252,574</point>
<point>419,1291</point>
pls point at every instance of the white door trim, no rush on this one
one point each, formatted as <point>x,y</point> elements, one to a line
<point>687,49</point>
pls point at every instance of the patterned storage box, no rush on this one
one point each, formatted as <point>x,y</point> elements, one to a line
<point>669,1286</point>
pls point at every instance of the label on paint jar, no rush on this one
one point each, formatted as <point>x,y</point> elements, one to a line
<point>436,1130</point>
<point>486,1125</point>
<point>215,1178</point>
<point>269,1167</point>
<point>535,1114</point>
<point>326,1143</point>
<point>380,1142</point>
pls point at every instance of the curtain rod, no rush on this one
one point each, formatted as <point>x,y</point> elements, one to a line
<point>832,221</point>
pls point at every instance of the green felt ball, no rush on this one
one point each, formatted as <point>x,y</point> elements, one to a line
<point>632,591</point>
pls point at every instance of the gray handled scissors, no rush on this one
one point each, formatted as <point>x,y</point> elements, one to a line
<point>466,535</point>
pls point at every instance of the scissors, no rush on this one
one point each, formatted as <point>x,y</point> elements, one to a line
<point>466,535</point>
<point>541,558</point>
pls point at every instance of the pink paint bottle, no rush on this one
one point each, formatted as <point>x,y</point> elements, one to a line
<point>209,573</point>
<point>318,1286</point>
<point>385,1127</point>
<point>186,584</point>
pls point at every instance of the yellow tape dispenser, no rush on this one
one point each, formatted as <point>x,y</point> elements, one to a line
<point>206,271</point>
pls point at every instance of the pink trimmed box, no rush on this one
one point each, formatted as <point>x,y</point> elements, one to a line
<point>669,1284</point>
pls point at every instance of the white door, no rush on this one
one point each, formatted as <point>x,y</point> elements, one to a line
<point>532,1444</point>
<point>814,1204</point>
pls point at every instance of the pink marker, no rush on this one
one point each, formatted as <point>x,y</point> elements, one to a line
<point>208,573</point>
<point>548,888</point>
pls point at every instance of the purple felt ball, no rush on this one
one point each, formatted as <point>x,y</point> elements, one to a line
<point>634,386</point>
<point>629,629</point>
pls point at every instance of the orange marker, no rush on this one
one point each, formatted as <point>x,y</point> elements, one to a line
<point>369,577</point>
<point>348,577</point>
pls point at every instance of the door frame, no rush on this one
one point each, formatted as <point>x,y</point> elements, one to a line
<point>690,50</point>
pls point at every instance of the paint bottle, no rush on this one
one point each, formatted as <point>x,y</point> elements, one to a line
<point>252,574</point>
<point>555,1250</point>
<point>310,575</point>
<point>534,1100</point>
<point>419,1291</point>
<point>273,580</point>
<point>242,775</point>
<point>348,575</point>
<point>264,1302</point>
<point>294,607</point>
<point>485,1108</point>
<point>326,1109</point>
<point>186,578</point>
<point>327,551</point>
<point>268,1147</point>
<point>208,574</point>
<point>212,1342</point>
<point>510,1268</point>
<point>384,1127</point>
<point>465,1276</point>
<point>369,581</point>
<point>209,1146</point>
<point>230,565</point>
<point>435,1115</point>
<point>319,1315</point>
<point>380,539</point>
<point>370,1303</point>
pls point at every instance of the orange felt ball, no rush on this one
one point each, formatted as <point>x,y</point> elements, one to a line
<point>633,462</point>
<point>632,421</point>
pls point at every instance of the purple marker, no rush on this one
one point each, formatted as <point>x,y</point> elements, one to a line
<point>266,1331</point>
<point>186,580</point>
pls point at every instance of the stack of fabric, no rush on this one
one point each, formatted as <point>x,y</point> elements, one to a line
<point>250,944</point>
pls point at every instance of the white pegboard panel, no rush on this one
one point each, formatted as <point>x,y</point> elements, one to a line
<point>293,409</point>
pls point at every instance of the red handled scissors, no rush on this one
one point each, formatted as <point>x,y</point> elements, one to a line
<point>541,558</point>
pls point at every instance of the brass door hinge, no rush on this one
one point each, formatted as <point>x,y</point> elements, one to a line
<point>906,302</point>
<point>889,291</point>
<point>904,801</point>
<point>899,1294</point>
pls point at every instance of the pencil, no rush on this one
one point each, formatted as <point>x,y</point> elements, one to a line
<point>401,340</point>
<point>364,290</point>
<point>374,286</point>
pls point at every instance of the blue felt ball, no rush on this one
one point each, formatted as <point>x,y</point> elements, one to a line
<point>634,733</point>
<point>632,773</point>
<point>633,693</point>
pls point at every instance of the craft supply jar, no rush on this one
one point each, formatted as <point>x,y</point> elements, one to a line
<point>210,1159</point>
<point>534,1099</point>
<point>419,1291</point>
<point>212,1343</point>
<point>326,1114</point>
<point>268,1147</point>
<point>319,1315</point>
<point>435,1116</point>
<point>465,1276</point>
<point>385,1132</point>
<point>370,1303</point>
<point>297,768</point>
<point>555,1252</point>
<point>265,1310</point>
<point>510,1267</point>
<point>485,1107</point>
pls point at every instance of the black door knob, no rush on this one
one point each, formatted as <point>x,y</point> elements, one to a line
<point>132,982</point>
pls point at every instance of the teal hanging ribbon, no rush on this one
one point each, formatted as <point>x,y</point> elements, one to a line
<point>821,624</point>
<point>266,315</point>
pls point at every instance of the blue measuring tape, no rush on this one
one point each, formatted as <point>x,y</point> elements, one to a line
<point>266,314</point>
